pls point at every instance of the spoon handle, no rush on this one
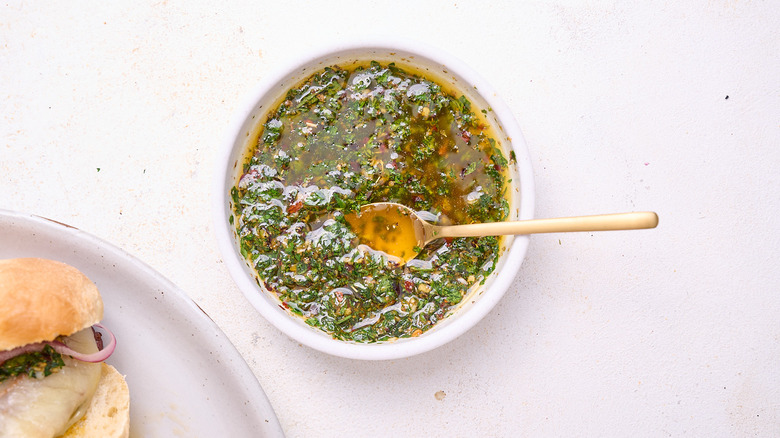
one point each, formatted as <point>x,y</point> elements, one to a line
<point>601,222</point>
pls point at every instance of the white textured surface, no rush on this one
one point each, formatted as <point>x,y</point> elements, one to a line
<point>111,115</point>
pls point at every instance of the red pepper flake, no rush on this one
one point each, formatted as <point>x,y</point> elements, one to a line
<point>294,207</point>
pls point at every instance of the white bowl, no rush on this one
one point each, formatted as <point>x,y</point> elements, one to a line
<point>443,67</point>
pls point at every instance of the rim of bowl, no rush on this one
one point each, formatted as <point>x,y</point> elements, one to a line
<point>450,327</point>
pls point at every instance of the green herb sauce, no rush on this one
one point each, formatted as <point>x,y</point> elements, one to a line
<point>45,361</point>
<point>351,136</point>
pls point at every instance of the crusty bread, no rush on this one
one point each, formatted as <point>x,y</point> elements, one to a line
<point>108,414</point>
<point>41,299</point>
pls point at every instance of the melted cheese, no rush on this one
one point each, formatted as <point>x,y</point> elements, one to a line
<point>47,406</point>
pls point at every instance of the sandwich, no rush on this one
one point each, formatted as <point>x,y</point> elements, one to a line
<point>54,381</point>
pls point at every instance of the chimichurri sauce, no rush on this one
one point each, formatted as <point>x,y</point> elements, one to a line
<point>351,136</point>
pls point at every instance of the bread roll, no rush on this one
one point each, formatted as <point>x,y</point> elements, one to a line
<point>41,299</point>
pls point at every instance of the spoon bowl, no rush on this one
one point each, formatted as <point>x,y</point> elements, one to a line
<point>398,231</point>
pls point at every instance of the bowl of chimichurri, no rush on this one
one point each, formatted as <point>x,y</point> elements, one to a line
<point>362,123</point>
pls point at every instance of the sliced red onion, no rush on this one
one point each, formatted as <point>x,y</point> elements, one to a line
<point>61,348</point>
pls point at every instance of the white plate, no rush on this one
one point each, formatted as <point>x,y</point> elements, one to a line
<point>185,377</point>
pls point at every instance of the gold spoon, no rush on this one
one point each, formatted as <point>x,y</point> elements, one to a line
<point>398,231</point>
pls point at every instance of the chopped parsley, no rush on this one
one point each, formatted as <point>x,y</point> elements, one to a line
<point>45,361</point>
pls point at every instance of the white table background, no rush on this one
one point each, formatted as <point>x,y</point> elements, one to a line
<point>112,115</point>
